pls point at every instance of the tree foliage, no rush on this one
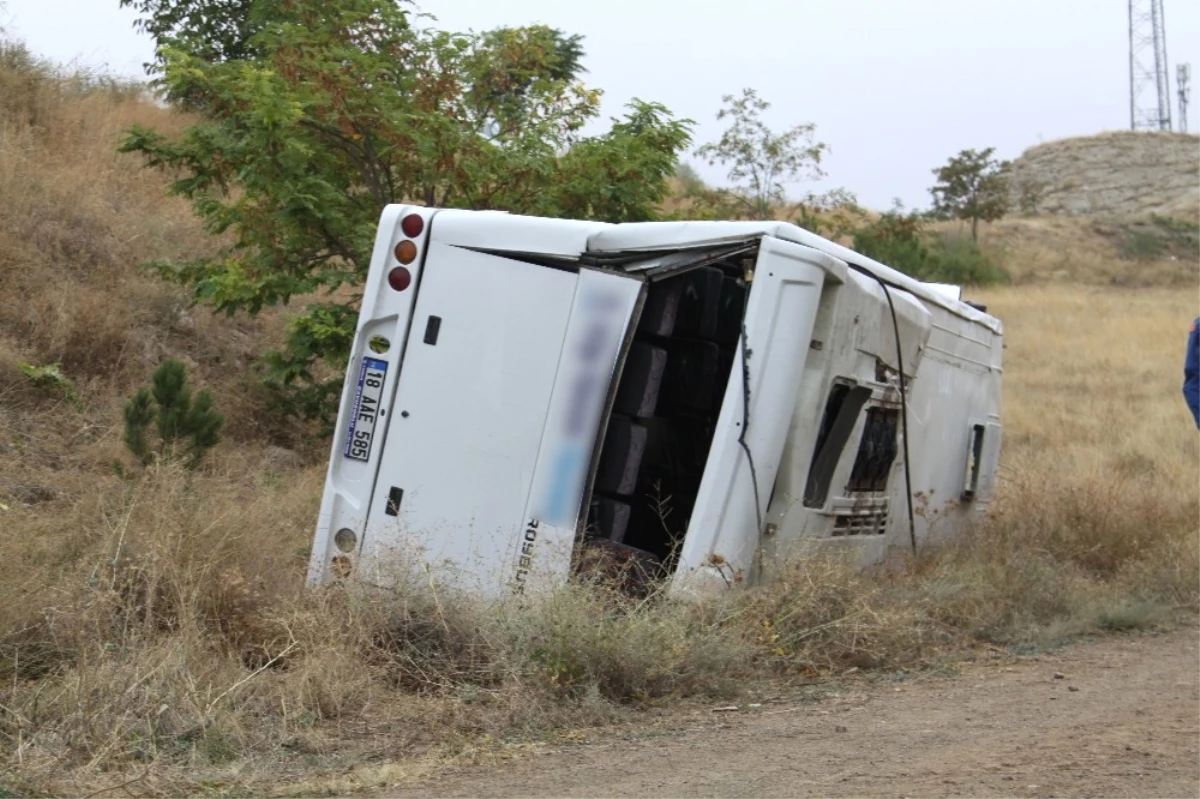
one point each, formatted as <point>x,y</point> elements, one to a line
<point>834,214</point>
<point>896,238</point>
<point>314,115</point>
<point>187,426</point>
<point>216,30</point>
<point>761,162</point>
<point>972,186</point>
<point>901,240</point>
<point>224,30</point>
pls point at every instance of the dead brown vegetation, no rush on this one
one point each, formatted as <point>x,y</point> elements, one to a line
<point>159,626</point>
<point>76,221</point>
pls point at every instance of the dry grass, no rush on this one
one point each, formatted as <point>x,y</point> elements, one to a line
<point>162,623</point>
<point>76,218</point>
<point>157,629</point>
<point>1037,251</point>
<point>156,637</point>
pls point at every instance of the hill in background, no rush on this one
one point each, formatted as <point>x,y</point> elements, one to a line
<point>1120,175</point>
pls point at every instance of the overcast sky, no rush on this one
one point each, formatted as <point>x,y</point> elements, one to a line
<point>894,86</point>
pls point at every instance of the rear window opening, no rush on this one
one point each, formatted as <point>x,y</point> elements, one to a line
<point>664,416</point>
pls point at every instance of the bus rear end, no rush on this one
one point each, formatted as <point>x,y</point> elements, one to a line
<point>478,377</point>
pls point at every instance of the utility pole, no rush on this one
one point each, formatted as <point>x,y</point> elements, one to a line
<point>1149,84</point>
<point>1183,83</point>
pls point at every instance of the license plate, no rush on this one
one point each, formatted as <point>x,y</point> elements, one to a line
<point>366,409</point>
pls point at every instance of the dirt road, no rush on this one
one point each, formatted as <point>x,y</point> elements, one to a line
<point>1116,718</point>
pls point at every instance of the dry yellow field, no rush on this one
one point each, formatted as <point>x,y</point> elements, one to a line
<point>1093,384</point>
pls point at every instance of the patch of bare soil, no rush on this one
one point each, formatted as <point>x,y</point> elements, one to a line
<point>1119,717</point>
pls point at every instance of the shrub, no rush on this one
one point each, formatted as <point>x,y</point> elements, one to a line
<point>898,239</point>
<point>51,377</point>
<point>957,259</point>
<point>895,239</point>
<point>178,417</point>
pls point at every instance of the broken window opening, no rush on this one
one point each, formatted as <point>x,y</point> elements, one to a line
<point>841,412</point>
<point>877,450</point>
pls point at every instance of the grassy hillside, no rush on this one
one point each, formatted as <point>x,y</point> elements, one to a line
<point>76,220</point>
<point>155,634</point>
<point>1159,251</point>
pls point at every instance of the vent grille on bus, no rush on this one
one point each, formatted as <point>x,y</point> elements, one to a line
<point>861,524</point>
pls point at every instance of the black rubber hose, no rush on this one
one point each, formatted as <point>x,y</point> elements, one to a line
<point>912,526</point>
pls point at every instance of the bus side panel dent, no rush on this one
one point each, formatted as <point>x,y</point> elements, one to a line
<point>723,535</point>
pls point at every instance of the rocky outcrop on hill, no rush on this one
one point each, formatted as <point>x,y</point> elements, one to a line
<point>1117,176</point>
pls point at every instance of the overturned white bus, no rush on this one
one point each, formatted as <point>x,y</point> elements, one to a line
<point>695,395</point>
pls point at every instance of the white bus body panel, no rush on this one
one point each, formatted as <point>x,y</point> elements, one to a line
<point>722,537</point>
<point>385,313</point>
<point>947,290</point>
<point>467,418</point>
<point>670,235</point>
<point>493,231</point>
<point>952,370</point>
<point>478,465</point>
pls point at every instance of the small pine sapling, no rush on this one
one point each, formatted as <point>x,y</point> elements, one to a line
<point>139,414</point>
<point>177,417</point>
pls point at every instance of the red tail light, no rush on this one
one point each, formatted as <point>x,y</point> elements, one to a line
<point>399,278</point>
<point>412,225</point>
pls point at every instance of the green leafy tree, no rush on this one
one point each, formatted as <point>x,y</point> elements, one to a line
<point>521,57</point>
<point>218,30</point>
<point>972,186</point>
<point>211,30</point>
<point>761,162</point>
<point>225,30</point>
<point>333,110</point>
<point>186,425</point>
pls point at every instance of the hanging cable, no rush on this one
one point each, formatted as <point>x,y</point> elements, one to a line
<point>912,526</point>
<point>745,351</point>
<point>746,401</point>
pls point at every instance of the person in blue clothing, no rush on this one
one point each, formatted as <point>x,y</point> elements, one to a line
<point>1191,371</point>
